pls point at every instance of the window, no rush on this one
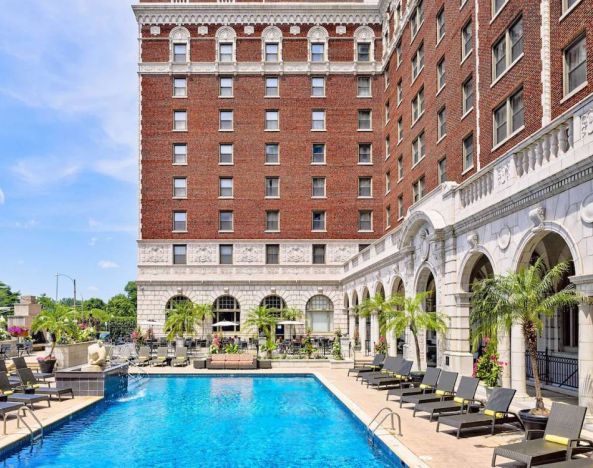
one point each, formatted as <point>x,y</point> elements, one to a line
<point>225,187</point>
<point>179,254</point>
<point>508,117</point>
<point>398,53</point>
<point>400,92</point>
<point>468,95</point>
<point>418,106</point>
<point>441,74</point>
<point>386,111</point>
<point>361,247</point>
<point>400,168</point>
<point>568,4</point>
<point>442,170</point>
<point>365,220</point>
<point>507,49</point>
<point>440,24</point>
<point>387,182</point>
<point>180,120</point>
<point>180,87</point>
<point>575,65</point>
<point>441,123</point>
<point>418,189</point>
<point>318,254</point>
<point>180,153</point>
<point>416,19</point>
<point>418,62</point>
<point>318,221</point>
<point>272,88</point>
<point>497,5</point>
<point>225,153</point>
<point>179,187</point>
<point>365,155</point>
<point>318,120</point>
<point>272,187</point>
<point>317,52</point>
<point>272,120</point>
<point>468,152</point>
<point>364,86</point>
<point>180,53</point>
<point>272,254</point>
<point>272,153</point>
<point>225,86</point>
<point>318,187</point>
<point>272,52</point>
<point>386,76</point>
<point>272,220</point>
<point>363,51</point>
<point>387,147</point>
<point>227,309</point>
<point>225,221</point>
<point>364,120</point>
<point>400,130</point>
<point>318,86</point>
<point>418,148</point>
<point>318,153</point>
<point>387,216</point>
<point>466,40</point>
<point>225,254</point>
<point>400,207</point>
<point>226,120</point>
<point>179,221</point>
<point>365,187</point>
<point>225,52</point>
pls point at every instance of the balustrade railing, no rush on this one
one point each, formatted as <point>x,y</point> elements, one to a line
<point>556,370</point>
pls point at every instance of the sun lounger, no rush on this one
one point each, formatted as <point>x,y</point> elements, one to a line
<point>27,399</point>
<point>6,408</point>
<point>465,394</point>
<point>390,379</point>
<point>444,389</point>
<point>373,366</point>
<point>180,358</point>
<point>144,356</point>
<point>575,463</point>
<point>560,441</point>
<point>20,363</point>
<point>427,385</point>
<point>29,380</point>
<point>390,365</point>
<point>162,356</point>
<point>14,381</point>
<point>496,412</point>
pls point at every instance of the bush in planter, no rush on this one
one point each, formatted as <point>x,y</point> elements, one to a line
<point>488,367</point>
<point>337,346</point>
<point>58,321</point>
<point>381,346</point>
<point>308,347</point>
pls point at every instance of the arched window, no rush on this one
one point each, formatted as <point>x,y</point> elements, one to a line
<point>320,314</point>
<point>273,302</point>
<point>179,44</point>
<point>364,44</point>
<point>227,309</point>
<point>271,44</point>
<point>226,39</point>
<point>174,301</point>
<point>318,38</point>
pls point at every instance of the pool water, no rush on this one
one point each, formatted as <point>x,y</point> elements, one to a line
<point>215,422</point>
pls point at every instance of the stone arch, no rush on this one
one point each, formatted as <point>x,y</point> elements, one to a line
<point>270,35</point>
<point>364,35</point>
<point>174,300</point>
<point>478,258</point>
<point>379,288</point>
<point>227,308</point>
<point>179,45</point>
<point>426,281</point>
<point>179,33</point>
<point>317,35</point>
<point>226,35</point>
<point>430,219</point>
<point>397,286</point>
<point>319,312</point>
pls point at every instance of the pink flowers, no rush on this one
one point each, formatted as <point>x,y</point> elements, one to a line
<point>18,331</point>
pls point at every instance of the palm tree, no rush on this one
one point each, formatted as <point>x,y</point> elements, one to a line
<point>264,319</point>
<point>59,321</point>
<point>523,298</point>
<point>203,312</point>
<point>379,304</point>
<point>408,312</point>
<point>181,320</point>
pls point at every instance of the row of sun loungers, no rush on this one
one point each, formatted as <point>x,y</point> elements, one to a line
<point>162,358</point>
<point>457,408</point>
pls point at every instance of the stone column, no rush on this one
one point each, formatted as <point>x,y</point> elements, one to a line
<point>391,343</point>
<point>459,350</point>
<point>584,285</point>
<point>518,372</point>
<point>375,332</point>
<point>351,326</point>
<point>362,333</point>
<point>504,354</point>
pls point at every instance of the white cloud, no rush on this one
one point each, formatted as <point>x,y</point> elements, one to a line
<point>93,241</point>
<point>92,288</point>
<point>28,224</point>
<point>2,197</point>
<point>45,171</point>
<point>107,264</point>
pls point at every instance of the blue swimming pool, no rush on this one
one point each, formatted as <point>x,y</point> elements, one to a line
<point>219,421</point>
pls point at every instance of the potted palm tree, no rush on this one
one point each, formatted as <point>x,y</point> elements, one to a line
<point>264,319</point>
<point>523,298</point>
<point>181,321</point>
<point>203,312</point>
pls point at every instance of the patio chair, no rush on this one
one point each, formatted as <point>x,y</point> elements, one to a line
<point>144,356</point>
<point>20,363</point>
<point>180,358</point>
<point>444,390</point>
<point>429,381</point>
<point>27,399</point>
<point>28,379</point>
<point>561,439</point>
<point>14,381</point>
<point>391,364</point>
<point>496,412</point>
<point>465,394</point>
<point>373,366</point>
<point>8,407</point>
<point>574,463</point>
<point>392,378</point>
<point>162,356</point>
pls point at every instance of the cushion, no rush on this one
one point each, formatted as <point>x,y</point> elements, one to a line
<point>490,412</point>
<point>441,392</point>
<point>459,400</point>
<point>424,386</point>
<point>557,439</point>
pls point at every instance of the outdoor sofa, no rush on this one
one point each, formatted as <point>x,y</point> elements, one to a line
<point>231,361</point>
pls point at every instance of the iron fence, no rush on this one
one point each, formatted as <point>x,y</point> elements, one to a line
<point>555,370</point>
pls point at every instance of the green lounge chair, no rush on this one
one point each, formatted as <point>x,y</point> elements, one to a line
<point>427,385</point>
<point>180,358</point>
<point>390,365</point>
<point>162,355</point>
<point>465,394</point>
<point>373,366</point>
<point>496,412</point>
<point>402,374</point>
<point>27,399</point>
<point>561,439</point>
<point>28,380</point>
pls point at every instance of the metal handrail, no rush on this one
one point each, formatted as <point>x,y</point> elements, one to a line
<point>31,431</point>
<point>390,413</point>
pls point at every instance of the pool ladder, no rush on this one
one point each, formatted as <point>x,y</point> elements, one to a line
<point>384,413</point>
<point>34,438</point>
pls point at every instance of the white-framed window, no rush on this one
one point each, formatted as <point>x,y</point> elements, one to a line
<point>398,53</point>
<point>318,187</point>
<point>225,120</point>
<point>318,38</point>
<point>225,52</point>
<point>441,79</point>
<point>363,86</point>
<point>399,92</point>
<point>272,220</point>
<point>363,51</point>
<point>225,44</point>
<point>418,190</point>
<point>318,86</point>
<point>179,86</point>
<point>400,168</point>
<point>272,254</point>
<point>364,39</point>
<point>318,254</point>
<point>318,221</point>
<point>467,93</point>
<point>418,106</point>
<point>467,151</point>
<point>400,207</point>
<point>318,153</point>
<point>365,187</point>
<point>467,44</point>
<point>364,120</point>
<point>180,52</point>
<point>225,153</point>
<point>180,120</point>
<point>568,4</point>
<point>179,44</point>
<point>272,121</point>
<point>180,221</point>
<point>387,216</point>
<point>271,52</point>
<point>387,111</point>
<point>440,24</point>
<point>508,49</point>
<point>225,187</point>
<point>442,170</point>
<point>179,187</point>
<point>180,153</point>
<point>225,221</point>
<point>225,86</point>
<point>418,148</point>
<point>318,119</point>
<point>225,254</point>
<point>386,76</point>
<point>575,65</point>
<point>271,44</point>
<point>180,254</point>
<point>387,182</point>
<point>318,52</point>
<point>400,130</point>
<point>365,220</point>
<point>418,62</point>
<point>272,86</point>
<point>387,147</point>
<point>441,123</point>
<point>416,19</point>
<point>497,6</point>
<point>272,188</point>
<point>272,153</point>
<point>508,118</point>
<point>365,153</point>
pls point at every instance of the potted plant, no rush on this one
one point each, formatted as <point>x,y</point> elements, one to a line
<point>216,345</point>
<point>337,346</point>
<point>181,321</point>
<point>308,347</point>
<point>264,319</point>
<point>522,298</point>
<point>488,367</point>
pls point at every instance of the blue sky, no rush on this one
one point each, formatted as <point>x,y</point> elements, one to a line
<point>68,145</point>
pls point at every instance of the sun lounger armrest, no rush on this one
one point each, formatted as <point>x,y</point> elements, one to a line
<point>574,444</point>
<point>531,434</point>
<point>587,442</point>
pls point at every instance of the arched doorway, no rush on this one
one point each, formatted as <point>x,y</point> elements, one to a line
<point>227,309</point>
<point>398,289</point>
<point>277,304</point>
<point>319,313</point>
<point>426,283</point>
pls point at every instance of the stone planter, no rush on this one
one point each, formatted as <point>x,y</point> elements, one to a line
<point>70,355</point>
<point>264,364</point>
<point>47,366</point>
<point>531,421</point>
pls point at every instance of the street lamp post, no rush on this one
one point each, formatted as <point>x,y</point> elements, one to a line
<point>73,284</point>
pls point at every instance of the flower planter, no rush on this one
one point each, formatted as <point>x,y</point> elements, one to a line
<point>47,366</point>
<point>532,421</point>
<point>264,364</point>
<point>70,355</point>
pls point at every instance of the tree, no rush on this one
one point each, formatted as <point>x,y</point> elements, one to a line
<point>94,303</point>
<point>132,291</point>
<point>264,319</point>
<point>120,306</point>
<point>182,319</point>
<point>377,304</point>
<point>8,297</point>
<point>523,298</point>
<point>59,321</point>
<point>203,312</point>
